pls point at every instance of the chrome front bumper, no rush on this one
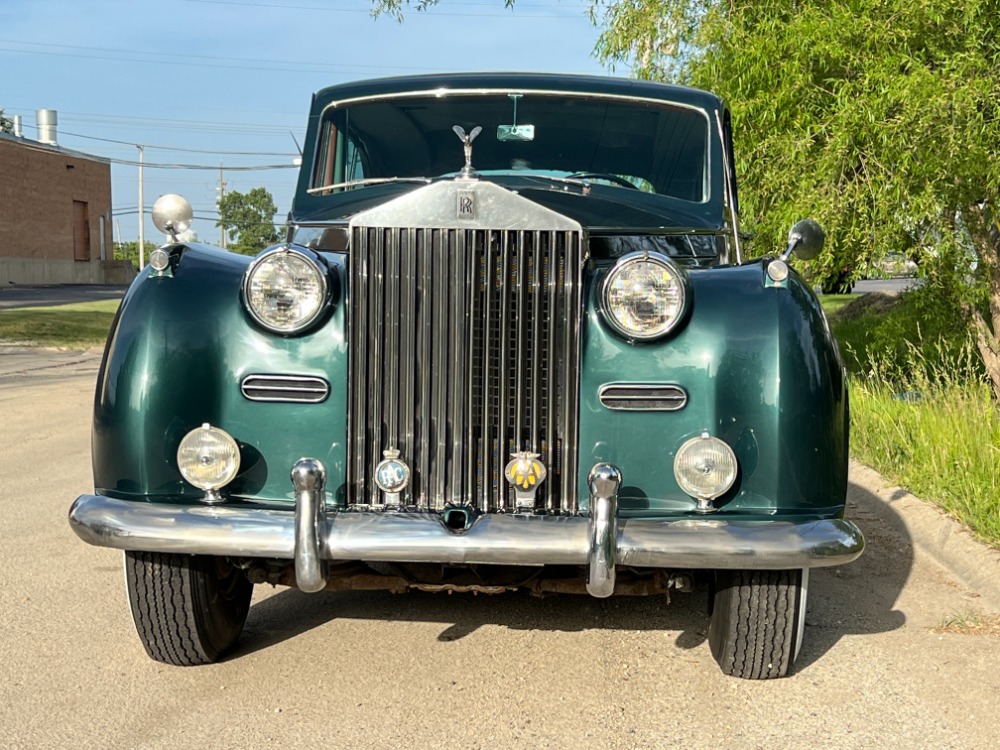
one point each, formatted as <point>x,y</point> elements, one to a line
<point>310,536</point>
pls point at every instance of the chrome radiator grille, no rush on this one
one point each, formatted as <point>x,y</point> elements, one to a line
<point>464,347</point>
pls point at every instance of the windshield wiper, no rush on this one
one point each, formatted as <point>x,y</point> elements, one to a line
<point>367,181</point>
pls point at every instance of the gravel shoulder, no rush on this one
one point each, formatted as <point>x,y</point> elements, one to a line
<point>363,670</point>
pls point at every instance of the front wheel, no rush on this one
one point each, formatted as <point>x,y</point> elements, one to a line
<point>757,621</point>
<point>187,609</point>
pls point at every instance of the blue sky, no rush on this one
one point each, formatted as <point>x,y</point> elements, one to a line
<point>237,75</point>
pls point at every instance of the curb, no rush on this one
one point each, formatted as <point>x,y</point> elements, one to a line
<point>938,536</point>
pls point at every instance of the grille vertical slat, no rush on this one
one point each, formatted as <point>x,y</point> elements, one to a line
<point>503,417</point>
<point>407,343</point>
<point>458,380</point>
<point>552,374</point>
<point>486,439</point>
<point>464,348</point>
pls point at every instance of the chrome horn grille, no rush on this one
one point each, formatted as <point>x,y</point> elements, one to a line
<point>464,349</point>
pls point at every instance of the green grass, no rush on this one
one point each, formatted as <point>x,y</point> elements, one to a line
<point>935,432</point>
<point>79,326</point>
<point>922,412</point>
<point>832,303</point>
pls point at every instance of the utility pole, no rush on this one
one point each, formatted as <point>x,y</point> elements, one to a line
<point>142,215</point>
<point>221,190</point>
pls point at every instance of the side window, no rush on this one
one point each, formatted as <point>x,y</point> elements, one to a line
<point>339,159</point>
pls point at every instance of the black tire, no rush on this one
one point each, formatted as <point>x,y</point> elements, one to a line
<point>187,609</point>
<point>756,623</point>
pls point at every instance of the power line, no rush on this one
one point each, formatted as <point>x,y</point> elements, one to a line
<point>368,12</point>
<point>214,168</point>
<point>181,148</point>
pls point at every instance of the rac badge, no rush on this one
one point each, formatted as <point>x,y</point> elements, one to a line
<point>525,472</point>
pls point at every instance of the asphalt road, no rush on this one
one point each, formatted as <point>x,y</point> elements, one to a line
<point>58,294</point>
<point>362,670</point>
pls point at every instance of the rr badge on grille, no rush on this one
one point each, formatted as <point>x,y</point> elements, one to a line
<point>525,472</point>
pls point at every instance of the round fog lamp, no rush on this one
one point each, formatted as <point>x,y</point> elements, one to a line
<point>705,467</point>
<point>644,296</point>
<point>208,458</point>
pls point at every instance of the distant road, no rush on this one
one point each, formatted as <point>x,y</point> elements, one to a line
<point>885,285</point>
<point>57,294</point>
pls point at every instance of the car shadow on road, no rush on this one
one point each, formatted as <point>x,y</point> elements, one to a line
<point>855,599</point>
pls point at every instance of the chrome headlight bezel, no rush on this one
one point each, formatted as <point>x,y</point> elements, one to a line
<point>623,264</point>
<point>315,264</point>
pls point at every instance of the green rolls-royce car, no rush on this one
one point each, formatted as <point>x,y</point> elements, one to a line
<point>510,343</point>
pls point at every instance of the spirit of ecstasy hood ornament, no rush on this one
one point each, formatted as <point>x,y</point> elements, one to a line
<point>467,170</point>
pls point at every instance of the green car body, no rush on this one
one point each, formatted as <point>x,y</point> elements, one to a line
<point>748,360</point>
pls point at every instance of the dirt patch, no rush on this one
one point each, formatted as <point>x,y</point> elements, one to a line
<point>873,303</point>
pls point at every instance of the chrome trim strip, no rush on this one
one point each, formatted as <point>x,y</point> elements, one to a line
<point>357,319</point>
<point>376,380</point>
<point>441,91</point>
<point>309,480</point>
<point>486,451</point>
<point>604,481</point>
<point>503,415</point>
<point>441,328</point>
<point>503,539</point>
<point>571,321</point>
<point>392,341</point>
<point>642,396</point>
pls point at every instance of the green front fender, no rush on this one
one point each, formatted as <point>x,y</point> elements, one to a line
<point>762,372</point>
<point>179,350</point>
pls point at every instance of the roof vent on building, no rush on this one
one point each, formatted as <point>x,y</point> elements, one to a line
<point>18,132</point>
<point>47,119</point>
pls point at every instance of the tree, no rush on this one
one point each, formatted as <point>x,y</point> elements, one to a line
<point>6,124</point>
<point>249,220</point>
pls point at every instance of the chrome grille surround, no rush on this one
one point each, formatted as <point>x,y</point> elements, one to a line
<point>298,389</point>
<point>464,346</point>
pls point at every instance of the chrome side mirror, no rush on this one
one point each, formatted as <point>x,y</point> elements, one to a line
<point>172,215</point>
<point>805,239</point>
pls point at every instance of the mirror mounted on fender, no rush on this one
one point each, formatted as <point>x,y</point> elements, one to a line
<point>805,239</point>
<point>172,215</point>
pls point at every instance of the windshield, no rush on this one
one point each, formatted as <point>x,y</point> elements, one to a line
<point>648,146</point>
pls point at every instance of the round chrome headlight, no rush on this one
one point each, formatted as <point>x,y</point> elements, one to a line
<point>285,290</point>
<point>208,457</point>
<point>705,467</point>
<point>644,296</point>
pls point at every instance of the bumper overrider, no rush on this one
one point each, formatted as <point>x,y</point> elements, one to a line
<point>311,536</point>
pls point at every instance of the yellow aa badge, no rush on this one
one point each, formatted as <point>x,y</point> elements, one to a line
<point>525,472</point>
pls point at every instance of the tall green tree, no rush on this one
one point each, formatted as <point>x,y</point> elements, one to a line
<point>249,220</point>
<point>6,124</point>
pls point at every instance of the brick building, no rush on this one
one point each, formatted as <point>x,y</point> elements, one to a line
<point>55,216</point>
